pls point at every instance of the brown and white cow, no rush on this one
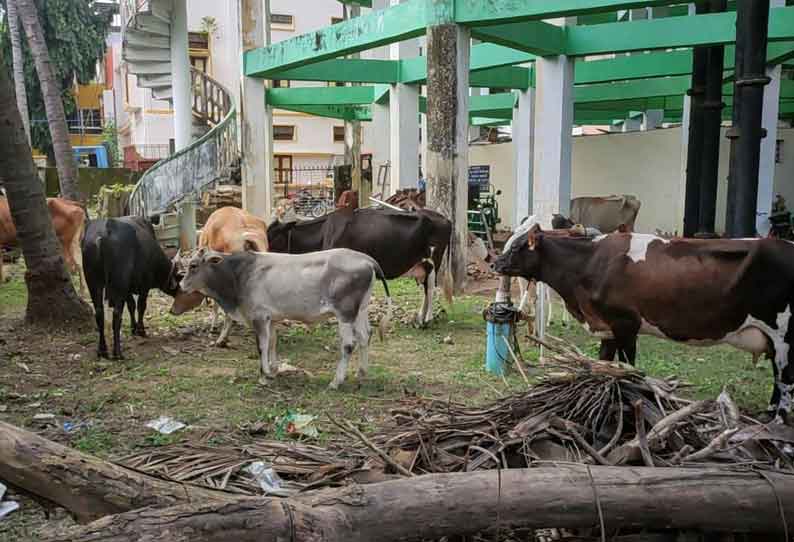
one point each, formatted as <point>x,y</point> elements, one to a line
<point>228,230</point>
<point>700,292</point>
<point>606,214</point>
<point>68,220</point>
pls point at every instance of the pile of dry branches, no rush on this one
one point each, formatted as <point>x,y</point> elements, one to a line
<point>300,466</point>
<point>584,411</point>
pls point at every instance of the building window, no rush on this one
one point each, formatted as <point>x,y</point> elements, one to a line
<point>339,134</point>
<point>283,133</point>
<point>336,20</point>
<point>198,40</point>
<point>283,168</point>
<point>281,83</point>
<point>281,21</point>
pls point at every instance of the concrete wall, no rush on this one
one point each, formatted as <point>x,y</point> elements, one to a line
<point>645,164</point>
<point>89,180</point>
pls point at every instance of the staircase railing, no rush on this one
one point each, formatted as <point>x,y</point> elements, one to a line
<point>200,165</point>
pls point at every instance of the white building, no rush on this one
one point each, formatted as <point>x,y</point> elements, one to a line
<point>301,142</point>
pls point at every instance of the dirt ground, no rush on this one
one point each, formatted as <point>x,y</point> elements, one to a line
<point>101,406</point>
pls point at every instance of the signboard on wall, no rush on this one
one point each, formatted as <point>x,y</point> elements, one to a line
<point>480,176</point>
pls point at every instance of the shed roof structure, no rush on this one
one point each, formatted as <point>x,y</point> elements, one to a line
<point>651,67</point>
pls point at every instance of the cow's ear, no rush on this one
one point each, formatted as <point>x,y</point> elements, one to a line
<point>534,236</point>
<point>215,259</point>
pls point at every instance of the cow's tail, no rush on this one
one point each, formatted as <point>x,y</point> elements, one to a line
<point>105,266</point>
<point>383,325</point>
<point>447,282</point>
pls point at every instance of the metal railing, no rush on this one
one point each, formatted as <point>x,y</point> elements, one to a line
<point>189,171</point>
<point>210,100</point>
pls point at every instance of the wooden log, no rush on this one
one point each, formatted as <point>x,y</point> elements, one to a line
<point>86,486</point>
<point>462,504</point>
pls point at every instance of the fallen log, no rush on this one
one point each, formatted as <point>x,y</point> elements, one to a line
<point>86,486</point>
<point>437,505</point>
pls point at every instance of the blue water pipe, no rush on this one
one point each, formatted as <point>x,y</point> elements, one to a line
<point>496,352</point>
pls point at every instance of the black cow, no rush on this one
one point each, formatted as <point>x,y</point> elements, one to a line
<point>122,258</point>
<point>403,243</point>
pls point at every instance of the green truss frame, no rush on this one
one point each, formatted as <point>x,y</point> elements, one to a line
<point>651,71</point>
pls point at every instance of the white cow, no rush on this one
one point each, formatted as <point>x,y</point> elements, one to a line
<point>262,288</point>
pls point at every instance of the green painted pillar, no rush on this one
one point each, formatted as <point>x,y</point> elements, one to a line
<point>448,46</point>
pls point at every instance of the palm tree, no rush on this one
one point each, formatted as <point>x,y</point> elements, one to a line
<point>51,296</point>
<point>18,65</point>
<point>51,89</point>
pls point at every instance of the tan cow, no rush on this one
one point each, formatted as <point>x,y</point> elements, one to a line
<point>68,220</point>
<point>227,230</point>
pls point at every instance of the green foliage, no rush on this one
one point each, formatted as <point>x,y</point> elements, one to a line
<point>110,137</point>
<point>75,34</point>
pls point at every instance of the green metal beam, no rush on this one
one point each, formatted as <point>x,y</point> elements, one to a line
<point>350,70</point>
<point>536,37</point>
<point>281,97</point>
<point>350,113</point>
<point>479,12</point>
<point>399,22</point>
<point>506,77</point>
<point>672,32</point>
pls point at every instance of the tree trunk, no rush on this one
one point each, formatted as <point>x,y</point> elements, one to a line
<point>53,104</point>
<point>51,296</point>
<point>88,487</point>
<point>18,66</point>
<point>463,504</point>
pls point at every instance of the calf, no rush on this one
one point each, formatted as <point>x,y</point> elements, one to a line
<point>122,258</point>
<point>68,221</point>
<point>263,288</point>
<point>702,292</point>
<point>403,243</point>
<point>229,230</point>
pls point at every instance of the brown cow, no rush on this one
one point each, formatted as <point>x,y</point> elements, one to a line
<point>700,292</point>
<point>68,220</point>
<point>227,230</point>
<point>606,214</point>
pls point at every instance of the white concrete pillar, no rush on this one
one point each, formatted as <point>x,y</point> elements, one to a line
<point>403,121</point>
<point>652,119</point>
<point>404,136</point>
<point>766,170</point>
<point>523,144</point>
<point>376,134</point>
<point>180,75</point>
<point>256,118</point>
<point>553,136</point>
<point>423,138</point>
<point>679,218</point>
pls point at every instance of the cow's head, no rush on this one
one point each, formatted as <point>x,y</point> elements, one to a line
<point>521,258</point>
<point>199,269</point>
<point>278,234</point>
<point>183,301</point>
<point>171,286</point>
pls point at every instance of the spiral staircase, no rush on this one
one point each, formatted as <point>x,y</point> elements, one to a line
<point>210,159</point>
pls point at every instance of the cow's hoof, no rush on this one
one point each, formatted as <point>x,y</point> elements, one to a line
<point>118,356</point>
<point>102,354</point>
<point>221,344</point>
<point>265,380</point>
<point>334,385</point>
<point>141,333</point>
